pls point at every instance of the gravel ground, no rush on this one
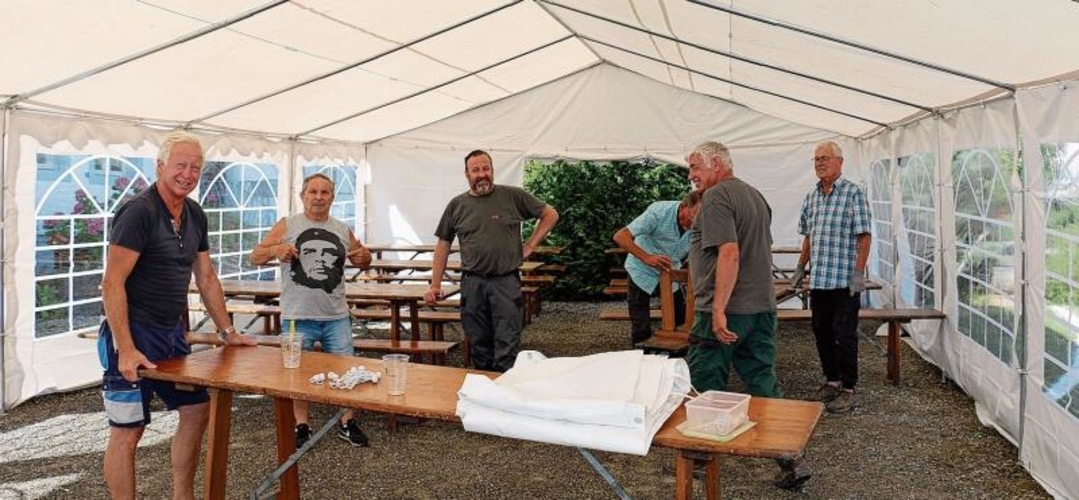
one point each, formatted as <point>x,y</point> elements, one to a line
<point>918,441</point>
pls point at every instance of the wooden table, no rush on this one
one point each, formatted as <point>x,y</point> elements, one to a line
<point>397,295</point>
<point>378,248</point>
<point>527,267</point>
<point>782,431</point>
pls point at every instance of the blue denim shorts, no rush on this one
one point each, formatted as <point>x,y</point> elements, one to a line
<point>334,335</point>
<point>127,404</point>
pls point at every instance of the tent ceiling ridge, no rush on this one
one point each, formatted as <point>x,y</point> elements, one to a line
<point>348,67</point>
<point>436,87</point>
<point>851,43</point>
<point>146,52</point>
<point>738,84</point>
<point>744,59</point>
<point>565,26</point>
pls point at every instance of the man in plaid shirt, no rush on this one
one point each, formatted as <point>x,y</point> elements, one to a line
<point>835,221</point>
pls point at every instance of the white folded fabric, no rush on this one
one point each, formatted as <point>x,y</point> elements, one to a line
<point>613,401</point>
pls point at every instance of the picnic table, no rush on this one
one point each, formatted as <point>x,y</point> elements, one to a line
<point>417,249</point>
<point>398,295</point>
<point>783,426</point>
<point>406,267</point>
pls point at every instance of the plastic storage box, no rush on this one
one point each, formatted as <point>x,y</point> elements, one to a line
<point>717,412</point>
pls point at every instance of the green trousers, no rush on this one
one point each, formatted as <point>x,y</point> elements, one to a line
<point>753,354</point>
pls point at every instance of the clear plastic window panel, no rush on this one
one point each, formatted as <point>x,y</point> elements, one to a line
<point>240,201</point>
<point>918,250</point>
<point>75,199</point>
<point>1061,363</point>
<point>985,248</point>
<point>880,205</point>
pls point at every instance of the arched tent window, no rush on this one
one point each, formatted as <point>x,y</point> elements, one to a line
<point>1061,363</point>
<point>985,248</point>
<point>346,200</point>
<point>880,206</point>
<point>918,250</point>
<point>240,200</point>
<point>76,197</point>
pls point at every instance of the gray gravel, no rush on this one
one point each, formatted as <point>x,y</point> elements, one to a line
<point>918,441</point>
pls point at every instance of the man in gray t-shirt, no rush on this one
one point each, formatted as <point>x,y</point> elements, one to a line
<point>730,263</point>
<point>487,220</point>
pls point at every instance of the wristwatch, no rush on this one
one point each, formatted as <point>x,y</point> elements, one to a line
<point>226,332</point>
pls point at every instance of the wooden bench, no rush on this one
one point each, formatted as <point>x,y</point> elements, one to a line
<point>435,320</point>
<point>552,268</point>
<point>270,314</point>
<point>894,317</point>
<point>623,315</point>
<point>617,286</point>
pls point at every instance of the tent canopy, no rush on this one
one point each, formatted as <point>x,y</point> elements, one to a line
<point>357,71</point>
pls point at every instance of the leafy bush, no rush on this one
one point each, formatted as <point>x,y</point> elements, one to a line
<point>594,200</point>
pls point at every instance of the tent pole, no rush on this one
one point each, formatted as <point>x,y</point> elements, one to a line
<point>353,65</point>
<point>737,57</point>
<point>732,82</point>
<point>436,87</point>
<point>1024,281</point>
<point>143,53</point>
<point>850,43</point>
<point>3,261</point>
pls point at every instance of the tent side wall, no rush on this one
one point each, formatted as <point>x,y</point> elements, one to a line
<point>64,179</point>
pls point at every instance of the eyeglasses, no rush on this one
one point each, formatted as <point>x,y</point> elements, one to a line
<point>819,159</point>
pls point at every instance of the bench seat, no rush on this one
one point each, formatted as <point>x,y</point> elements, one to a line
<point>623,314</point>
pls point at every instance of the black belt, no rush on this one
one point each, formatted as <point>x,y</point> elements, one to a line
<point>488,276</point>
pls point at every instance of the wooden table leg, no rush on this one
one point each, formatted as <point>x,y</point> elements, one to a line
<point>217,443</point>
<point>684,467</point>
<point>286,446</point>
<point>395,323</point>
<point>895,353</point>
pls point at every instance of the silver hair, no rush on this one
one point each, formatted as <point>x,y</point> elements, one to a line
<point>833,148</point>
<point>333,185</point>
<point>712,149</point>
<point>177,137</point>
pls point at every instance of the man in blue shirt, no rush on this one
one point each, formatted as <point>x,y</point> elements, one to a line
<point>656,240</point>
<point>836,224</point>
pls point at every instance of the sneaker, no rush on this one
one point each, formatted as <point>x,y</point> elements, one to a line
<point>303,434</point>
<point>843,403</point>
<point>792,475</point>
<point>827,393</point>
<point>350,431</point>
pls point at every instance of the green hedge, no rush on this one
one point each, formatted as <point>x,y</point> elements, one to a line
<point>593,201</point>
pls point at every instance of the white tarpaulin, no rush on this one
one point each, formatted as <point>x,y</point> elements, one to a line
<point>614,401</point>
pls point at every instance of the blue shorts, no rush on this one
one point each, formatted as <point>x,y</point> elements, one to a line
<point>127,404</point>
<point>334,335</point>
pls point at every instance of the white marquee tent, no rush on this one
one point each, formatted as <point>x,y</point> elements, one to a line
<point>957,116</point>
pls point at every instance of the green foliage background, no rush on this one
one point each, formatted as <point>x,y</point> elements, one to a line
<point>594,200</point>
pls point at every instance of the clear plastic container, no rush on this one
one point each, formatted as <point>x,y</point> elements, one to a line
<point>717,412</point>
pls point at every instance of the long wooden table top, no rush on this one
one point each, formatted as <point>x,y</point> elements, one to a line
<point>527,266</point>
<point>358,290</point>
<point>782,431</point>
<point>390,247</point>
<point>777,249</point>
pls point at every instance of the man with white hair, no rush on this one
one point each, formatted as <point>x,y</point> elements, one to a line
<point>158,238</point>
<point>836,224</point>
<point>730,265</point>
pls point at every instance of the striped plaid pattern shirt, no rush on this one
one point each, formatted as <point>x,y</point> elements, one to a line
<point>833,222</point>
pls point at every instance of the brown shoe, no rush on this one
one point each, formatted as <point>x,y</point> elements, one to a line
<point>827,393</point>
<point>846,401</point>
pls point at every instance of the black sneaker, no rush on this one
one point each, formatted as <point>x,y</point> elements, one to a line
<point>792,475</point>
<point>303,433</point>
<point>350,431</point>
